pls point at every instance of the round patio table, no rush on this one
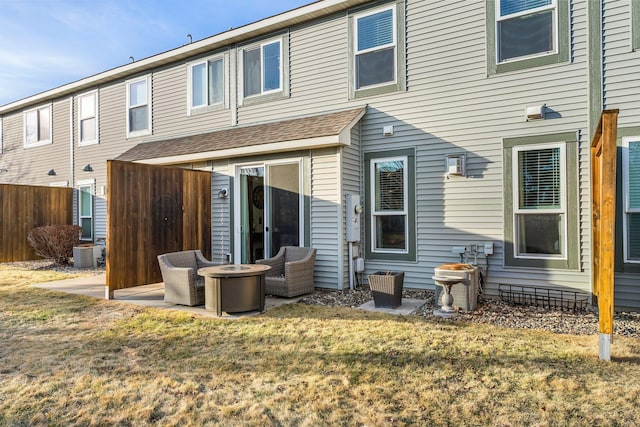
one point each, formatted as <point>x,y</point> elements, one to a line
<point>234,288</point>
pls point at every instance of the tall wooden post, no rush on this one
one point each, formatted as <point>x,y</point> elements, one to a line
<point>603,199</point>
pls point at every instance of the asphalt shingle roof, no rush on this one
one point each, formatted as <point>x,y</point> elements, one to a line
<point>328,124</point>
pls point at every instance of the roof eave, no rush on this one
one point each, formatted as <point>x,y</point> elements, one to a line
<point>274,147</point>
<point>246,32</point>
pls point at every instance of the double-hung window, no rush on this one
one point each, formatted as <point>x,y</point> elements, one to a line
<point>525,28</point>
<point>37,126</point>
<point>540,208</point>
<point>375,48</point>
<point>85,209</point>
<point>206,83</point>
<point>88,118</point>
<point>377,63</point>
<point>139,107</point>
<point>631,201</point>
<point>390,205</point>
<point>262,68</point>
<point>526,33</point>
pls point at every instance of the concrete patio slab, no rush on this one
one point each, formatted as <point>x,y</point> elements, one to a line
<point>153,296</point>
<point>407,307</point>
<point>147,296</point>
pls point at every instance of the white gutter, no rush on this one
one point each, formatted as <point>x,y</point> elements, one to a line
<point>72,160</point>
<point>255,29</point>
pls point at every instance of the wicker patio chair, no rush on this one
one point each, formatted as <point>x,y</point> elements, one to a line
<point>291,271</point>
<point>182,285</point>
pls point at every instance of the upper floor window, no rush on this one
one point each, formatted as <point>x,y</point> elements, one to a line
<point>88,118</point>
<point>206,83</point>
<point>525,28</point>
<point>377,62</point>
<point>375,48</point>
<point>262,69</point>
<point>37,126</point>
<point>139,107</point>
<point>526,33</point>
<point>631,199</point>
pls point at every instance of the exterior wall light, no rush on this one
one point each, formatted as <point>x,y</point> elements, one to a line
<point>51,172</point>
<point>87,168</point>
<point>223,193</point>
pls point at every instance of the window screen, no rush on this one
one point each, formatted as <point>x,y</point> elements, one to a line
<point>521,33</point>
<point>375,49</point>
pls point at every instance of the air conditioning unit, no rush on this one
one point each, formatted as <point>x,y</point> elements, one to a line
<point>465,294</point>
<point>86,256</point>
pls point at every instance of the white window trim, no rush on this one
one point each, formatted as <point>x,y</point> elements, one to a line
<point>1,142</point>
<point>553,6</point>
<point>260,46</point>
<point>91,183</point>
<point>375,213</point>
<point>237,207</point>
<point>563,200</point>
<point>357,52</point>
<point>80,118</point>
<point>190,106</point>
<point>128,84</point>
<point>24,127</point>
<point>625,189</point>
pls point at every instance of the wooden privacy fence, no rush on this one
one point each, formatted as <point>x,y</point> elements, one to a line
<point>153,210</point>
<point>25,207</point>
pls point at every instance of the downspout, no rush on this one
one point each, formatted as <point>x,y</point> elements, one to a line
<point>71,145</point>
<point>595,83</point>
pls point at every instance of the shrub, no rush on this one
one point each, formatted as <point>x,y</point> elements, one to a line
<point>55,241</point>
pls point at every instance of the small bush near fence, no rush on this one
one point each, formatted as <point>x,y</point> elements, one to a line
<point>55,241</point>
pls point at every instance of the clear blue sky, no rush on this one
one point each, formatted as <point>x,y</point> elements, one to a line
<point>48,43</point>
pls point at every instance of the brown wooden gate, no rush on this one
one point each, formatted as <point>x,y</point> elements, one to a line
<point>25,207</point>
<point>153,210</point>
<point>603,211</point>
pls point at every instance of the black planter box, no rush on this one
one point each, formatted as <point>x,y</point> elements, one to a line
<point>386,287</point>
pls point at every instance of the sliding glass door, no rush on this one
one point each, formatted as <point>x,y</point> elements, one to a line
<point>270,209</point>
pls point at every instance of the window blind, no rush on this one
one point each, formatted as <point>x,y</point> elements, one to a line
<point>507,7</point>
<point>389,186</point>
<point>375,30</point>
<point>539,179</point>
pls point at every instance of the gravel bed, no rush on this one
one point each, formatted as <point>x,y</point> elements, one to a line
<point>494,312</point>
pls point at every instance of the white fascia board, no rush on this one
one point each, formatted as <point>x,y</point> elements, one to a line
<point>264,26</point>
<point>300,144</point>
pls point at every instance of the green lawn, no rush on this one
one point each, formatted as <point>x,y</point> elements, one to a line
<point>67,359</point>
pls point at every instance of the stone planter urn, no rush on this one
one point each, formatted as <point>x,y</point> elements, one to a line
<point>386,287</point>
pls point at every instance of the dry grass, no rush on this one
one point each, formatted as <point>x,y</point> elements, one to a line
<point>67,359</point>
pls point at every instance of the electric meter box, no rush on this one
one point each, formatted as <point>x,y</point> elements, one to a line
<point>354,211</point>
